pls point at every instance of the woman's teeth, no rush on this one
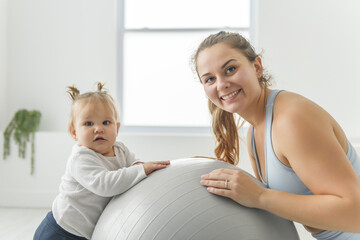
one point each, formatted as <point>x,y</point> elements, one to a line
<point>230,95</point>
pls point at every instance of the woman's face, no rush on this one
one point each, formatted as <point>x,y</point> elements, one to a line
<point>230,80</point>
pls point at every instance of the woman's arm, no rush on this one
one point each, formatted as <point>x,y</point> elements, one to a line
<point>304,136</point>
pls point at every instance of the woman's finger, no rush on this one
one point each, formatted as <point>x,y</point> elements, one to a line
<point>217,175</point>
<point>221,184</point>
<point>220,191</point>
<point>225,171</point>
<point>216,183</point>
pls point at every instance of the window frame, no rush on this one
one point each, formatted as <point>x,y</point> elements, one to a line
<point>120,33</point>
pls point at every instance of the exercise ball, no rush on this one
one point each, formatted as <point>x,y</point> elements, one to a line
<point>172,204</point>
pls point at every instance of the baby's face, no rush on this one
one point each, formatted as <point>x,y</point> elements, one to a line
<point>95,127</point>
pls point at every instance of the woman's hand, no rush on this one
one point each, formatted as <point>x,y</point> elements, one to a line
<point>234,184</point>
<point>149,167</point>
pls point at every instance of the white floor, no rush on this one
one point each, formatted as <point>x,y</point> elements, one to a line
<point>21,223</point>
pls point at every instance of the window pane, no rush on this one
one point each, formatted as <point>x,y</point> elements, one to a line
<point>159,87</point>
<point>187,14</point>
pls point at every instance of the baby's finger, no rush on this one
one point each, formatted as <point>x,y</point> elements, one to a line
<point>163,162</point>
<point>161,165</point>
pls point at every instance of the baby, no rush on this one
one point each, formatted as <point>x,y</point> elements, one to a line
<point>98,168</point>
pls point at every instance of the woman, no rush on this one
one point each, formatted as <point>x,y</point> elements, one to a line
<point>296,148</point>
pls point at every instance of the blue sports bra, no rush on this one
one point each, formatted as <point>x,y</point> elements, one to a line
<point>278,175</point>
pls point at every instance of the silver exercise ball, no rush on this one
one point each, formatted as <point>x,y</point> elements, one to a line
<point>171,204</point>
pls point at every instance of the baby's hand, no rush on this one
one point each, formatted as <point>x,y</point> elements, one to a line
<point>204,157</point>
<point>149,167</point>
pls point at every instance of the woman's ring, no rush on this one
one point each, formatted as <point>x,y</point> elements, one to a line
<point>226,183</point>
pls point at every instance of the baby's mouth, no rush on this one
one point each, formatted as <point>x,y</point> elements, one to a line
<point>99,139</point>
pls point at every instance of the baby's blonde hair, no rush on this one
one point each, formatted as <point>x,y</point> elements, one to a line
<point>100,95</point>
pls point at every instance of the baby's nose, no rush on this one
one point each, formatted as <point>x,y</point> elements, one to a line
<point>99,128</point>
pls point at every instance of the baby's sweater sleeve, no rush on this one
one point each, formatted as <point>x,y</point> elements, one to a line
<point>92,173</point>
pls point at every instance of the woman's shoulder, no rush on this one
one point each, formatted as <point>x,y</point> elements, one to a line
<point>294,112</point>
<point>289,105</point>
<point>291,99</point>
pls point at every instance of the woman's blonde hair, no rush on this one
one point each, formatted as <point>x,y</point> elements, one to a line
<point>100,95</point>
<point>224,124</point>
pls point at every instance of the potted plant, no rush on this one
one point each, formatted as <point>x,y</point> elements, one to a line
<point>22,127</point>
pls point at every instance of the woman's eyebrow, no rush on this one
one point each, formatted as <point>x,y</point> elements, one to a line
<point>224,65</point>
<point>204,75</point>
<point>227,62</point>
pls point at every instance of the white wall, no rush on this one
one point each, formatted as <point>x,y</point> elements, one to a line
<point>311,47</point>
<point>53,44</point>
<point>3,64</point>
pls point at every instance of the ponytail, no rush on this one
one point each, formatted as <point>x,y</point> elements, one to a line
<point>223,123</point>
<point>226,134</point>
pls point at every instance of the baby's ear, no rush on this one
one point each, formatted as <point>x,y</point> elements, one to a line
<point>72,132</point>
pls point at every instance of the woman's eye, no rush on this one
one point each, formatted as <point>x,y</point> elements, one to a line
<point>230,69</point>
<point>209,80</point>
<point>89,123</point>
<point>107,122</point>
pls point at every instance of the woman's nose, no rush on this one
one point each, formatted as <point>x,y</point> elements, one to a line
<point>221,83</point>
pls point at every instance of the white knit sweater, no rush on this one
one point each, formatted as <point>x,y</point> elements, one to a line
<point>89,182</point>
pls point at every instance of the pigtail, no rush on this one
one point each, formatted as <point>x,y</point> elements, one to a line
<point>226,134</point>
<point>73,92</point>
<point>99,86</point>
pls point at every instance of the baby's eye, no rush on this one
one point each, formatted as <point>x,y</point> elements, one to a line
<point>89,124</point>
<point>107,122</point>
<point>230,69</point>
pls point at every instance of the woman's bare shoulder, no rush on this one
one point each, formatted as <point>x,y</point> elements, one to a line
<point>295,114</point>
<point>292,106</point>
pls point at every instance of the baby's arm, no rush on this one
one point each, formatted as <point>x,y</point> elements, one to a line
<point>92,174</point>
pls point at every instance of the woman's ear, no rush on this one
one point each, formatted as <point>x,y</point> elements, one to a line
<point>72,132</point>
<point>258,67</point>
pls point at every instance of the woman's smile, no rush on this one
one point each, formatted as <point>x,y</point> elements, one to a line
<point>230,96</point>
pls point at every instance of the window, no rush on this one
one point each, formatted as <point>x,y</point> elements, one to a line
<point>156,86</point>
